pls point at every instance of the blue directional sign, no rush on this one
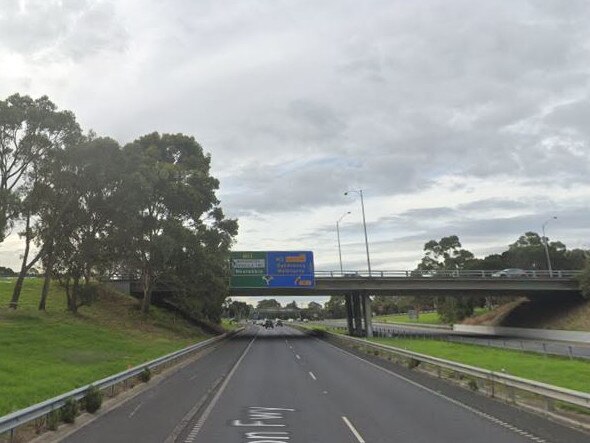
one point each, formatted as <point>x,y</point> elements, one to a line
<point>290,269</point>
<point>273,269</point>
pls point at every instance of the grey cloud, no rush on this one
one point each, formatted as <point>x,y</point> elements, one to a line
<point>493,204</point>
<point>74,29</point>
<point>428,213</point>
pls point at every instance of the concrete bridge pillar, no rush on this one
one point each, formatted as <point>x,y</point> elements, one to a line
<point>357,316</point>
<point>368,315</point>
<point>349,314</point>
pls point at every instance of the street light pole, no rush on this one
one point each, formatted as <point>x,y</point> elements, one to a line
<point>360,192</point>
<point>366,299</point>
<point>338,234</point>
<point>547,247</point>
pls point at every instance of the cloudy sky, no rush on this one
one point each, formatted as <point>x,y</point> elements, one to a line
<point>453,116</point>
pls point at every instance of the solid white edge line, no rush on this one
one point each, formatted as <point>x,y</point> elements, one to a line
<point>353,429</point>
<point>312,376</point>
<point>193,433</point>
<point>475,411</point>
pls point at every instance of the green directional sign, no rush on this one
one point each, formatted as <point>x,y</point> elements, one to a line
<point>271,269</point>
<point>248,269</point>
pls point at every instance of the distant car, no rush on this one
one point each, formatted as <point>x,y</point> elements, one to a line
<point>510,273</point>
<point>351,274</point>
<point>305,320</point>
<point>268,324</point>
<point>279,322</point>
<point>290,320</point>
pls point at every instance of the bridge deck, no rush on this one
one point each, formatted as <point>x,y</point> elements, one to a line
<point>425,286</point>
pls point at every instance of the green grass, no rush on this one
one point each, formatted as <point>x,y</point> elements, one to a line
<point>44,354</point>
<point>429,318</point>
<point>229,325</point>
<point>572,374</point>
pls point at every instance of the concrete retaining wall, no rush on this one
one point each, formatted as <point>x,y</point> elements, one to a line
<point>536,334</point>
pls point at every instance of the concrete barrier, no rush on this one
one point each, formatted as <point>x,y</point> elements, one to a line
<point>534,334</point>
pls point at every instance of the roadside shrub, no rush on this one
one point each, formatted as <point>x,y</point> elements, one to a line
<point>69,411</point>
<point>145,375</point>
<point>53,420</point>
<point>472,384</point>
<point>93,399</point>
<point>413,363</point>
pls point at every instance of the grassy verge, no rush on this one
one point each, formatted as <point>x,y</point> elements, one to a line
<point>229,325</point>
<point>43,354</point>
<point>429,318</point>
<point>572,374</point>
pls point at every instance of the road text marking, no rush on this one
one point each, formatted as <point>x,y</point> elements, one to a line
<point>262,417</point>
<point>353,430</point>
<point>193,433</point>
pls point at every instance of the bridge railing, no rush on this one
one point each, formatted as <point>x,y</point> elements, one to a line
<point>443,273</point>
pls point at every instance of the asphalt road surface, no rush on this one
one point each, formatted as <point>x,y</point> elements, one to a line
<point>280,385</point>
<point>564,349</point>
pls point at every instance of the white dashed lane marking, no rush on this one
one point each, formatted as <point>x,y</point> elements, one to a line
<point>475,411</point>
<point>353,430</point>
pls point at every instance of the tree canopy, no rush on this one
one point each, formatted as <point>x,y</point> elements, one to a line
<point>88,208</point>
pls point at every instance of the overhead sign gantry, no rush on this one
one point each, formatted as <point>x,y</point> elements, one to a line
<point>271,269</point>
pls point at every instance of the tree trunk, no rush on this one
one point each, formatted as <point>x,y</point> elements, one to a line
<point>147,292</point>
<point>23,269</point>
<point>74,296</point>
<point>87,274</point>
<point>46,282</point>
<point>68,292</point>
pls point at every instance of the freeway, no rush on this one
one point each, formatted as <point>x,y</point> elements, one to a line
<point>281,385</point>
<point>553,347</point>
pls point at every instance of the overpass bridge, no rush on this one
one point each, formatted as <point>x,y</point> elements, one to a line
<point>427,283</point>
<point>358,286</point>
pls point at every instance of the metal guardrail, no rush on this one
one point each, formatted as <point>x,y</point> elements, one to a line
<point>557,274</point>
<point>10,422</point>
<point>549,392</point>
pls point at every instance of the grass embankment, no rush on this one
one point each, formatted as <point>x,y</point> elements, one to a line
<point>562,313</point>
<point>572,374</point>
<point>44,354</point>
<point>428,318</point>
<point>229,325</point>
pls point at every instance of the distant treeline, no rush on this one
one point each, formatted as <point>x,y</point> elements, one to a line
<point>88,208</point>
<point>6,272</point>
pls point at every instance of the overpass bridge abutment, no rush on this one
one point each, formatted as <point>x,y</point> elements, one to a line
<point>359,318</point>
